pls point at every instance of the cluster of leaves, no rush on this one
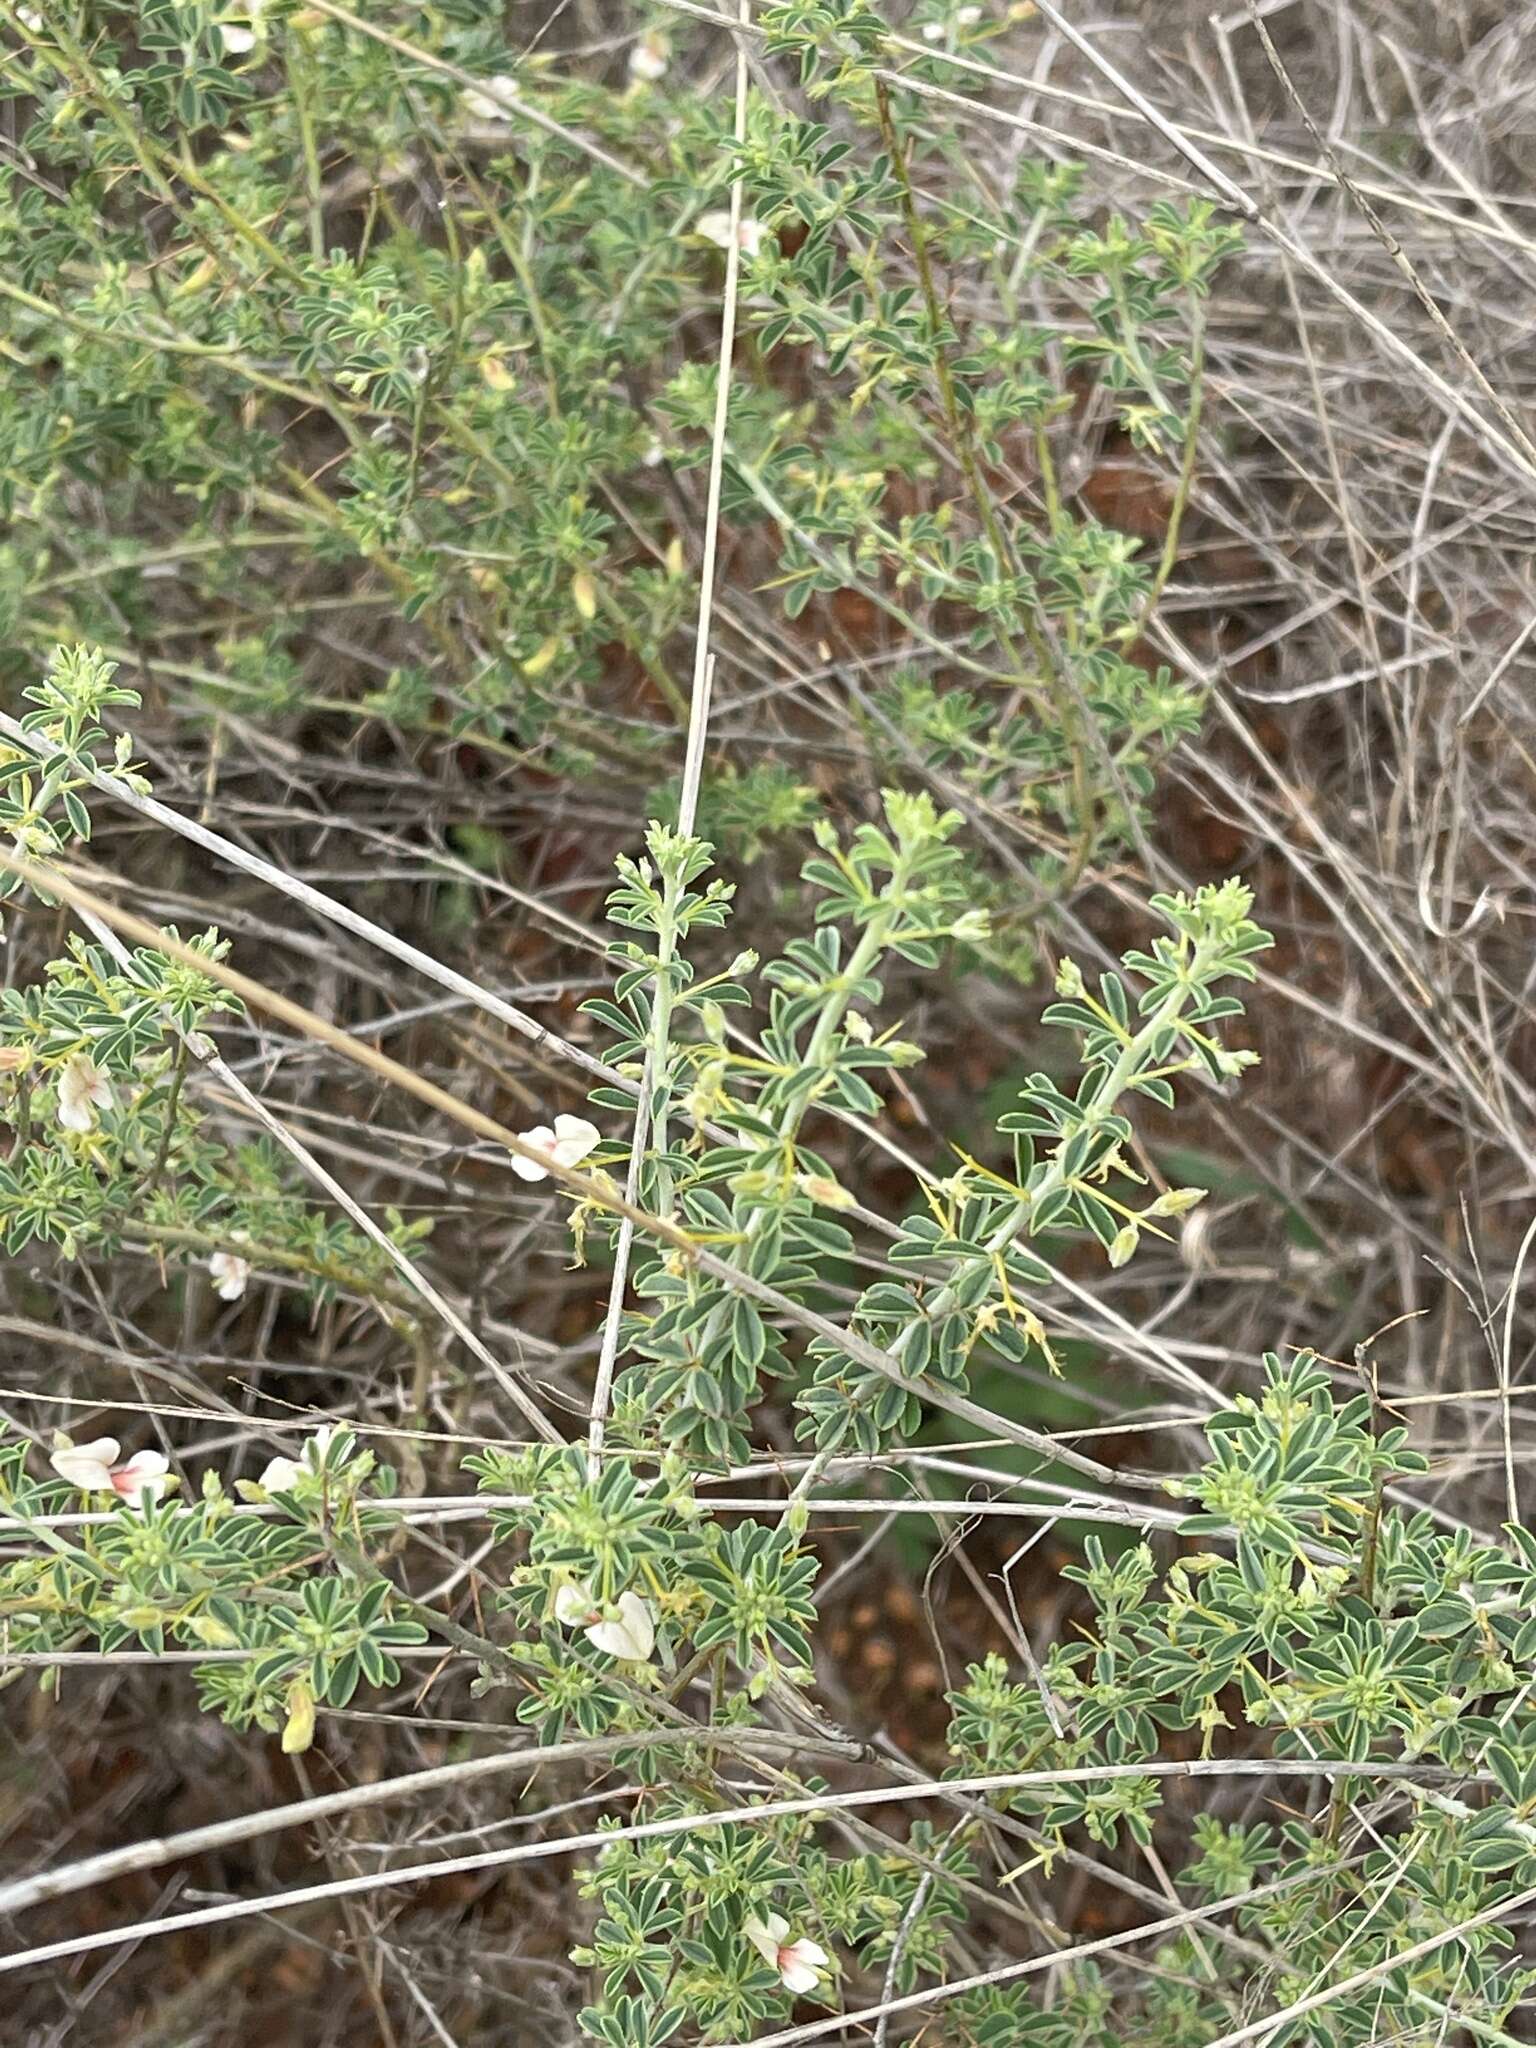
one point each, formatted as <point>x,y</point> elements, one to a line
<point>220,289</point>
<point>972,1279</point>
<point>206,1576</point>
<point>1358,1633</point>
<point>670,1939</point>
<point>702,1351</point>
<point>741,1593</point>
<point>107,1141</point>
<point>41,802</point>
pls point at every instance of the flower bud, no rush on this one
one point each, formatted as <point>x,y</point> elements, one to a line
<point>214,1633</point>
<point>299,1728</point>
<point>543,657</point>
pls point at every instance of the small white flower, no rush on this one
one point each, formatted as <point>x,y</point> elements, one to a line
<point>83,1089</point>
<point>30,19</point>
<point>230,1274</point>
<point>631,1634</point>
<point>627,1630</point>
<point>93,1468</point>
<point>967,17</point>
<point>933,31</point>
<point>566,1145</point>
<point>800,1963</point>
<point>648,59</point>
<point>238,37</point>
<point>88,1466</point>
<point>490,106</point>
<point>281,1473</point>
<point>716,228</point>
<point>279,1476</point>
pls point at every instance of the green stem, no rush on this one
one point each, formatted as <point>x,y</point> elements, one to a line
<point>1186,478</point>
<point>962,436</point>
<point>172,1103</point>
<point>863,957</point>
<point>1116,1080</point>
<point>149,1237</point>
<point>658,1058</point>
<point>300,76</point>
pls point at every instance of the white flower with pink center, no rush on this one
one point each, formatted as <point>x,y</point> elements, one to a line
<point>626,1629</point>
<point>801,1963</point>
<point>94,1468</point>
<point>716,228</point>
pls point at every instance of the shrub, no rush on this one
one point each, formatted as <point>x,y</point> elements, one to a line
<point>315,312</point>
